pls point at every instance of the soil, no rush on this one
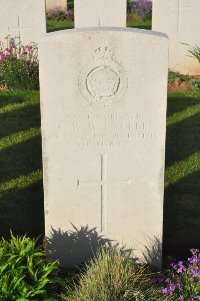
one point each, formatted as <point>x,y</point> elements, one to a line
<point>4,88</point>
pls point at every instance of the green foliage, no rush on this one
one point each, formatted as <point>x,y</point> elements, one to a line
<point>195,52</point>
<point>113,276</point>
<point>70,4</point>
<point>19,67</point>
<point>25,274</point>
<point>172,76</point>
<point>196,85</point>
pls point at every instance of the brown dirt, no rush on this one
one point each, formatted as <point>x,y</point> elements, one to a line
<point>179,85</point>
<point>4,88</point>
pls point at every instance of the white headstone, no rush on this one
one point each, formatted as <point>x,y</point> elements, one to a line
<point>94,13</point>
<point>62,4</point>
<point>103,104</point>
<point>23,19</point>
<point>180,20</point>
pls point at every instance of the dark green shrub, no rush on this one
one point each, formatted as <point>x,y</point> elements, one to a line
<point>25,274</point>
<point>113,276</point>
<point>19,66</point>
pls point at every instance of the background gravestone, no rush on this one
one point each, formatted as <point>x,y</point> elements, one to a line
<point>62,4</point>
<point>103,105</point>
<point>180,20</point>
<point>92,13</point>
<point>23,19</point>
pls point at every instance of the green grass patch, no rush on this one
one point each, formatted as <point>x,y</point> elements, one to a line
<point>21,192</point>
<point>53,25</point>
<point>182,184</point>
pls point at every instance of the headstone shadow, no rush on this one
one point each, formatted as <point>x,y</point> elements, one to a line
<point>76,246</point>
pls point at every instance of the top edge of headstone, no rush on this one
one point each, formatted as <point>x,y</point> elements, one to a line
<point>103,29</point>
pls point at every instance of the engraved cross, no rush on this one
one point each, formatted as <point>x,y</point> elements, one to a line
<point>103,183</point>
<point>179,8</point>
<point>19,27</point>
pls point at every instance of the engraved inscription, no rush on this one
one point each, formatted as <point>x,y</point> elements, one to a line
<point>103,81</point>
<point>105,130</point>
<point>103,183</point>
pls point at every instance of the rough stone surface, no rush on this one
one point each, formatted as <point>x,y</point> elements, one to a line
<point>62,4</point>
<point>103,105</point>
<point>180,20</point>
<point>23,19</point>
<point>94,13</point>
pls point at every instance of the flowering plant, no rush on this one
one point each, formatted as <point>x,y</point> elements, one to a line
<point>141,8</point>
<point>19,66</point>
<point>60,14</point>
<point>182,281</point>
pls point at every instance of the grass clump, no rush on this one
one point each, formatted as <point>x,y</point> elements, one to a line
<point>113,276</point>
<point>25,274</point>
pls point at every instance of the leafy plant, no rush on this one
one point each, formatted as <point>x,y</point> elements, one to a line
<point>60,14</point>
<point>113,276</point>
<point>25,274</point>
<point>182,281</point>
<point>19,66</point>
<point>195,52</point>
<point>196,85</point>
<point>174,75</point>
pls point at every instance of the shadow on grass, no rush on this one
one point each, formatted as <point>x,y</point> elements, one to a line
<point>182,192</point>
<point>21,191</point>
<point>10,99</point>
<point>22,211</point>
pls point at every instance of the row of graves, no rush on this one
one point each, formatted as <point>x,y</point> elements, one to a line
<point>103,110</point>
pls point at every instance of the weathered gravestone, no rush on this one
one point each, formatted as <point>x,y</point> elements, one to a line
<point>23,19</point>
<point>180,20</point>
<point>61,4</point>
<point>93,13</point>
<point>103,105</point>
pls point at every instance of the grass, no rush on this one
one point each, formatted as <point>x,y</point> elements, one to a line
<point>21,193</point>
<point>182,175</point>
<point>60,25</point>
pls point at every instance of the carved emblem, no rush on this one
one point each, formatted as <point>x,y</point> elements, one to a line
<point>103,81</point>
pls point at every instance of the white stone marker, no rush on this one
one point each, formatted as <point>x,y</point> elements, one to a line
<point>23,19</point>
<point>93,13</point>
<point>62,4</point>
<point>103,105</point>
<point>181,21</point>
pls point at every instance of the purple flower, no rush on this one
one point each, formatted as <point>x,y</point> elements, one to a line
<point>172,287</point>
<point>194,273</point>
<point>193,260</point>
<point>164,291</point>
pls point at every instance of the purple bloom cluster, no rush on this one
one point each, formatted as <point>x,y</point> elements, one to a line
<point>142,8</point>
<point>182,281</point>
<point>60,14</point>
